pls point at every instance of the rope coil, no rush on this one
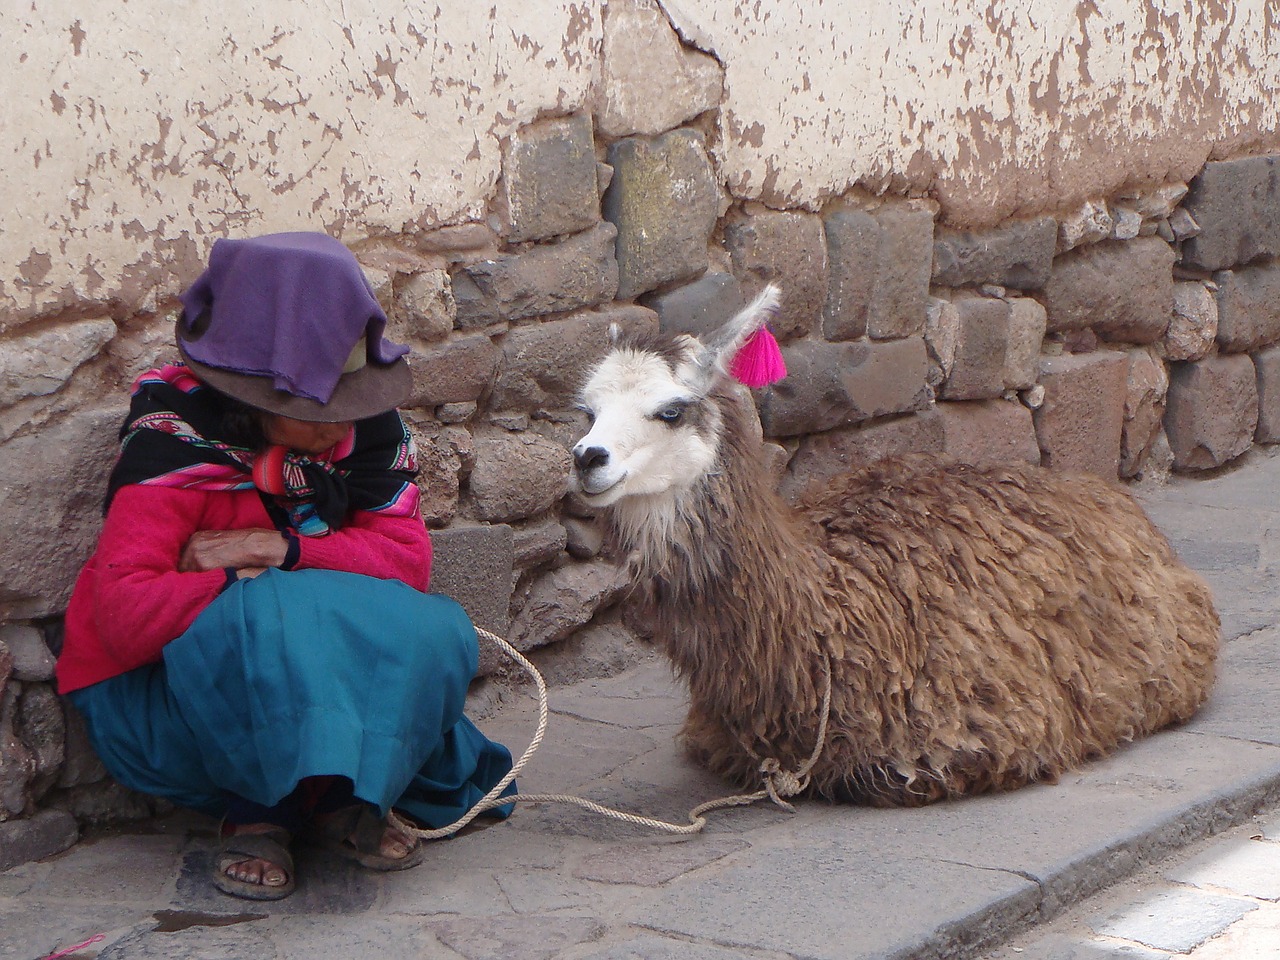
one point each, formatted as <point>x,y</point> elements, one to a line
<point>778,783</point>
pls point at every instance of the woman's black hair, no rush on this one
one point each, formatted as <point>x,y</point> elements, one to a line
<point>242,425</point>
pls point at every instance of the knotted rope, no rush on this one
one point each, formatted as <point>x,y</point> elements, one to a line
<point>778,783</point>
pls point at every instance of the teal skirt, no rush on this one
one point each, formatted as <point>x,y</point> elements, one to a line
<point>304,674</point>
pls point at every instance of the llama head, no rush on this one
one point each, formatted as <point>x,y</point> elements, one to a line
<point>655,422</point>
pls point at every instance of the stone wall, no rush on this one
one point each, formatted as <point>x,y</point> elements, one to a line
<point>1124,335</point>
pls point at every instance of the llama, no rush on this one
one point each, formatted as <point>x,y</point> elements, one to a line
<point>982,628</point>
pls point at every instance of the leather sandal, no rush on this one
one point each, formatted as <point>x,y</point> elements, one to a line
<point>356,833</point>
<point>238,847</point>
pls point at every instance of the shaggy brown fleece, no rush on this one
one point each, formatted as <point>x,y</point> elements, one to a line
<point>986,627</point>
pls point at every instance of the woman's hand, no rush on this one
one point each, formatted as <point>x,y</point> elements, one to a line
<point>216,549</point>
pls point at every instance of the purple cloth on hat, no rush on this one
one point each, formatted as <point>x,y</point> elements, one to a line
<point>291,306</point>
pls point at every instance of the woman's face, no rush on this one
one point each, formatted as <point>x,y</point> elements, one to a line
<point>303,436</point>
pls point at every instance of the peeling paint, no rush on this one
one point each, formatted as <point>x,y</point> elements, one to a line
<point>35,268</point>
<point>263,120</point>
<point>995,109</point>
<point>130,155</point>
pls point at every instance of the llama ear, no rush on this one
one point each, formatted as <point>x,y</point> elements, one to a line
<point>722,347</point>
<point>615,333</point>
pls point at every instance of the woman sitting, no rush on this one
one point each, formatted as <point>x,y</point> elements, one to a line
<point>252,637</point>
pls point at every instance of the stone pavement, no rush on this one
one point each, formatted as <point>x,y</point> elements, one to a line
<point>952,880</point>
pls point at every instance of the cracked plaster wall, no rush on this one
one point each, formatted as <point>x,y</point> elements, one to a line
<point>141,132</point>
<point>995,109</point>
<point>137,134</point>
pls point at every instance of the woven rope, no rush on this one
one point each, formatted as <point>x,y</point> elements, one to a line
<point>778,784</point>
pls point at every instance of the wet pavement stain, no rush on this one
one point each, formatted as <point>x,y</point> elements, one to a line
<point>172,921</point>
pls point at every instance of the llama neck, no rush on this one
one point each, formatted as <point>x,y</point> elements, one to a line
<point>733,583</point>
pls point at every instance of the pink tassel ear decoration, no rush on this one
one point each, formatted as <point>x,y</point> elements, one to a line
<point>758,362</point>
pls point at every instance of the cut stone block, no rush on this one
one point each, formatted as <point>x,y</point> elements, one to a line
<point>901,292</point>
<point>423,307</point>
<point>584,539</point>
<point>654,866</point>
<point>1091,223</point>
<point>822,457</point>
<point>1066,947</point>
<point>879,265</point>
<point>458,237</point>
<point>457,371</point>
<point>1237,206</point>
<point>1080,423</point>
<point>1180,226</point>
<point>1128,222</point>
<point>41,363</point>
<point>456,412</point>
<point>36,837</point>
<point>664,200</point>
<point>106,802</point>
<point>579,271</point>
<point>1194,325</point>
<point>40,726</point>
<point>787,249</point>
<point>544,365</point>
<point>700,307</point>
<point>651,82</point>
<point>1147,386</point>
<point>473,566</point>
<point>1248,307</point>
<point>831,385</point>
<point>1159,204</point>
<point>517,475</point>
<point>1017,255</point>
<point>739,904</point>
<point>79,452</point>
<point>853,257</point>
<point>652,947</point>
<point>1266,365</point>
<point>1121,290</point>
<point>531,937</point>
<point>1212,411</point>
<point>1027,324</point>
<point>549,179</point>
<point>989,433</point>
<point>941,332</point>
<point>563,600</point>
<point>982,335</point>
<point>539,544</point>
<point>382,283</point>
<point>31,659</point>
<point>442,456</point>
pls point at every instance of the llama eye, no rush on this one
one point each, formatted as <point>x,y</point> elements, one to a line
<point>670,415</point>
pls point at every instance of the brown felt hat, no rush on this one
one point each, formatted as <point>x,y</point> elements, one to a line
<point>365,392</point>
<point>289,323</point>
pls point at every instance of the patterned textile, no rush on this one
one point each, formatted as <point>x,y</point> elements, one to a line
<point>170,438</point>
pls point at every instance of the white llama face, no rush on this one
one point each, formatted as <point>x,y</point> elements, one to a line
<point>653,432</point>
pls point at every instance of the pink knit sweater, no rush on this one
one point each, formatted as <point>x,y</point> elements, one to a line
<point>130,600</point>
